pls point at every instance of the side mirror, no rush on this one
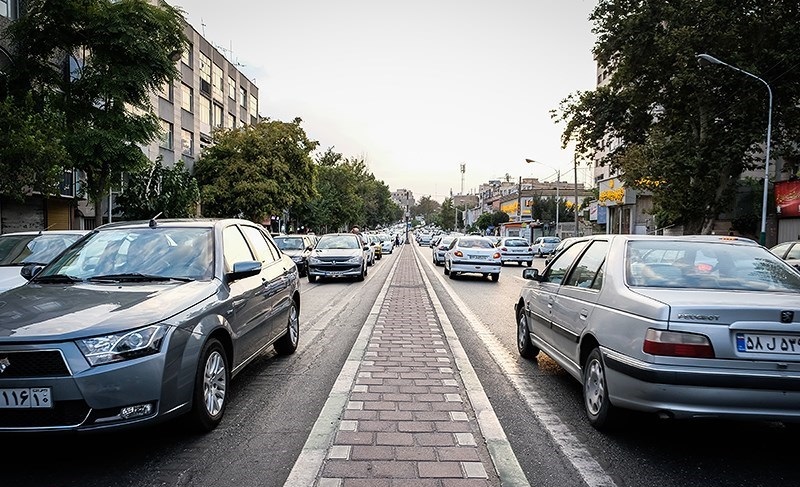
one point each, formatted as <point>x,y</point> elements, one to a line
<point>531,274</point>
<point>244,269</point>
<point>29,271</point>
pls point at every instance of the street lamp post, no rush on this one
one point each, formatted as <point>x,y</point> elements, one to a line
<point>575,207</point>
<point>558,180</point>
<point>707,59</point>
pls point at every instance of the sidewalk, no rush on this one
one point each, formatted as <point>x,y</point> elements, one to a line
<point>404,412</point>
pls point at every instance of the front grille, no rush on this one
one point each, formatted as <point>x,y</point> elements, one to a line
<point>45,363</point>
<point>63,413</point>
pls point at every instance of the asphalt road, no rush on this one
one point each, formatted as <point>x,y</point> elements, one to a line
<point>276,400</point>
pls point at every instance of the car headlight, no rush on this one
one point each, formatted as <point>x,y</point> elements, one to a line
<point>314,260</point>
<point>354,260</point>
<point>116,347</point>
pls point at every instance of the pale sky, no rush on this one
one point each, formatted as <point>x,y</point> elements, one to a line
<point>416,87</point>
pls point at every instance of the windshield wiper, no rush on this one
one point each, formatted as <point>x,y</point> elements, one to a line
<point>57,278</point>
<point>137,276</point>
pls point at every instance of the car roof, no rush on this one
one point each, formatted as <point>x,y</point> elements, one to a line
<point>48,232</point>
<point>177,222</point>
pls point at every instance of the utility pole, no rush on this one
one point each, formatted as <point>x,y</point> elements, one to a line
<point>575,208</point>
<point>519,200</point>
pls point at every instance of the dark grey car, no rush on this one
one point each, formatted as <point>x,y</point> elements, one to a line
<point>142,322</point>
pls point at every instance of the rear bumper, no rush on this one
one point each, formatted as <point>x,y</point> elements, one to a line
<point>478,267</point>
<point>516,257</point>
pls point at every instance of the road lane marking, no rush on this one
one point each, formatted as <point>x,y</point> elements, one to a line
<point>503,458</point>
<point>571,447</point>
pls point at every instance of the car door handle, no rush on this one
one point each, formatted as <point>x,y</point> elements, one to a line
<point>584,314</point>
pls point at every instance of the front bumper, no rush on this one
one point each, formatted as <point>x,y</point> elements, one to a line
<point>693,392</point>
<point>337,270</point>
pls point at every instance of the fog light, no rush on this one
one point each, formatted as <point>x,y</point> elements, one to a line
<point>129,412</point>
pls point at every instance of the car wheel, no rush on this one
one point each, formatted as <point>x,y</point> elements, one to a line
<point>287,344</point>
<point>303,271</point>
<point>446,270</point>
<point>599,409</point>
<point>519,263</point>
<point>452,274</point>
<point>210,387</point>
<point>495,277</point>
<point>312,278</point>
<point>524,345</point>
<point>530,263</point>
<point>540,254</point>
<point>363,274</point>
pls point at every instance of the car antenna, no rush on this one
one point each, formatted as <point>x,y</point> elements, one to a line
<point>46,229</point>
<point>153,223</point>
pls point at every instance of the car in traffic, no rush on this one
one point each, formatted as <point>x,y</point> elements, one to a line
<point>471,254</point>
<point>684,327</point>
<point>564,243</point>
<point>298,248</point>
<point>140,322</point>
<point>377,248</point>
<point>387,243</point>
<point>339,255</point>
<point>19,249</point>
<point>545,245</point>
<point>515,249</point>
<point>788,251</point>
<point>441,248</point>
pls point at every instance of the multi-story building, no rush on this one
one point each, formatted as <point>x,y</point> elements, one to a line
<point>404,198</point>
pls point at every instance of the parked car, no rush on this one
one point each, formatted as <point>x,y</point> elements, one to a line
<point>143,321</point>
<point>22,248</point>
<point>298,248</point>
<point>545,245</point>
<point>515,249</point>
<point>339,255</point>
<point>387,243</point>
<point>377,248</point>
<point>788,251</point>
<point>694,326</point>
<point>440,249</point>
<point>564,243</point>
<point>472,254</point>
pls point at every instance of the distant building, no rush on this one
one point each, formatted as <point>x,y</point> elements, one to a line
<point>403,198</point>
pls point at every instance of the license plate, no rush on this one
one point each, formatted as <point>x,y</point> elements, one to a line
<point>25,398</point>
<point>762,343</point>
<point>476,257</point>
<point>333,273</point>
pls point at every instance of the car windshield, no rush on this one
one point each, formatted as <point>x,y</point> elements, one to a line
<point>475,243</point>
<point>162,252</point>
<point>38,249</point>
<point>707,265</point>
<point>516,242</point>
<point>338,242</point>
<point>289,243</point>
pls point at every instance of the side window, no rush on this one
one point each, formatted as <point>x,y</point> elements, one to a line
<point>260,245</point>
<point>781,249</point>
<point>235,247</point>
<point>588,267</point>
<point>794,253</point>
<point>559,267</point>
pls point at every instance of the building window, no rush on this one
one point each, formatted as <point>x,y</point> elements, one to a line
<point>187,56</point>
<point>8,8</point>
<point>216,79</point>
<point>187,96</point>
<point>243,97</point>
<point>231,122</point>
<point>205,74</point>
<point>165,90</point>
<point>231,88</point>
<point>205,110</point>
<point>166,135</point>
<point>218,120</point>
<point>253,106</point>
<point>187,142</point>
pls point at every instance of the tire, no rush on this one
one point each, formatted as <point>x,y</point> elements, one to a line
<point>363,274</point>
<point>446,270</point>
<point>530,263</point>
<point>599,410</point>
<point>312,278</point>
<point>524,345</point>
<point>452,274</point>
<point>495,277</point>
<point>210,395</point>
<point>303,271</point>
<point>287,344</point>
<point>519,263</point>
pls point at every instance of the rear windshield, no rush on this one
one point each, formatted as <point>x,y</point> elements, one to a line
<point>551,240</point>
<point>707,265</point>
<point>475,243</point>
<point>516,242</point>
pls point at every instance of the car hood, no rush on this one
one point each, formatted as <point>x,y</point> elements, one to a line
<point>347,253</point>
<point>10,277</point>
<point>725,307</point>
<point>40,312</point>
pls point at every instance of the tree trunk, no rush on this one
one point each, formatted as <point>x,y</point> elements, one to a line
<point>98,210</point>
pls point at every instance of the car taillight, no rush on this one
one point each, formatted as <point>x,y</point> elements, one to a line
<point>458,253</point>
<point>504,249</point>
<point>496,255</point>
<point>677,344</point>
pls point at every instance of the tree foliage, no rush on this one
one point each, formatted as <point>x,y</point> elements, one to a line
<point>172,192</point>
<point>427,208</point>
<point>683,132</point>
<point>111,56</point>
<point>257,170</point>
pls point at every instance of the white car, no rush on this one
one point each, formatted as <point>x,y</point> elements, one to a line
<point>23,248</point>
<point>545,245</point>
<point>472,254</point>
<point>515,249</point>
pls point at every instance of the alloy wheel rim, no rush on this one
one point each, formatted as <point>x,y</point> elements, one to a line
<point>294,325</point>
<point>595,387</point>
<point>522,330</point>
<point>214,383</point>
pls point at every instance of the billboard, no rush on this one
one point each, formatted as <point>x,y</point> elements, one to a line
<point>787,198</point>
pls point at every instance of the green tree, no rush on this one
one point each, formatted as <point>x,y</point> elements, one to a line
<point>449,217</point>
<point>115,53</point>
<point>257,170</point>
<point>173,192</point>
<point>686,133</point>
<point>427,208</point>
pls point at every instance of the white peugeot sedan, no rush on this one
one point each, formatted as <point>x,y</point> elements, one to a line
<point>472,254</point>
<point>685,327</point>
<point>515,249</point>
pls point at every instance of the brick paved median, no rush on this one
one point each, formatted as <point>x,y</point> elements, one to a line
<point>408,420</point>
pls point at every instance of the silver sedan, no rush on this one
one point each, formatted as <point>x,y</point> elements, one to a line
<point>686,327</point>
<point>472,254</point>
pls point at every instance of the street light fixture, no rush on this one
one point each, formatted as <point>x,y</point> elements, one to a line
<point>558,172</point>
<point>705,59</point>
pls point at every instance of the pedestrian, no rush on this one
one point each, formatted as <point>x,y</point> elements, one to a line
<point>396,240</point>
<point>355,230</point>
